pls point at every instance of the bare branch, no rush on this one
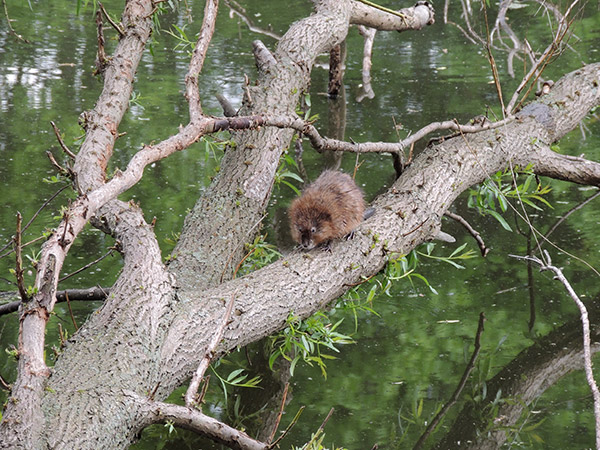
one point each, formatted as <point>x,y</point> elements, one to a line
<point>61,142</point>
<point>587,352</point>
<point>10,28</point>
<point>484,250</point>
<point>563,27</point>
<point>263,56</point>
<point>192,93</point>
<point>235,9</point>
<point>112,22</point>
<point>194,420</point>
<point>321,144</point>
<point>366,89</point>
<point>19,261</point>
<point>101,61</point>
<point>87,266</point>
<point>283,398</point>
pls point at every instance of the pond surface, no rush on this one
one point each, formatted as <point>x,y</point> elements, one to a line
<point>408,357</point>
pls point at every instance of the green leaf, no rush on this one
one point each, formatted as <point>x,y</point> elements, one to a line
<point>500,219</point>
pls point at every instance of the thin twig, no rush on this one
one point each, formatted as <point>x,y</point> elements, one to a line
<point>60,139</point>
<point>4,384</point>
<point>87,266</point>
<point>19,261</point>
<point>463,381</point>
<point>101,61</point>
<point>71,312</point>
<point>112,22</point>
<point>319,430</point>
<point>587,352</point>
<point>542,62</point>
<point>492,61</point>
<point>10,28</point>
<point>289,427</point>
<point>484,250</point>
<point>204,389</point>
<point>192,392</point>
<point>285,391</point>
<point>571,211</point>
<point>33,241</point>
<point>384,9</point>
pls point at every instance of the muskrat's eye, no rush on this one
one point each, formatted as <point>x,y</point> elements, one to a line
<point>313,230</point>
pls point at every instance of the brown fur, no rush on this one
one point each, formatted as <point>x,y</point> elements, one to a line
<point>330,208</point>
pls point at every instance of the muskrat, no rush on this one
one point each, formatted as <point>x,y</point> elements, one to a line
<point>329,208</point>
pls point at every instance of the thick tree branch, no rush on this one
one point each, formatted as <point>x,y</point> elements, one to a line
<point>415,18</point>
<point>194,420</point>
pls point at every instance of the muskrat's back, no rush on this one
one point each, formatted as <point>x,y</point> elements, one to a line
<point>330,208</point>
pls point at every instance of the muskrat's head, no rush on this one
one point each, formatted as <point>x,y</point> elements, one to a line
<point>310,227</point>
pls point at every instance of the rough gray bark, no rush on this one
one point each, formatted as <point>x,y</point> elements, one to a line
<point>149,335</point>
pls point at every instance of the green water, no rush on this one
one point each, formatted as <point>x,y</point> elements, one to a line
<point>417,346</point>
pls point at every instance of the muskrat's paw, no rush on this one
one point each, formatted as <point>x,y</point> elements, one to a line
<point>325,246</point>
<point>350,235</point>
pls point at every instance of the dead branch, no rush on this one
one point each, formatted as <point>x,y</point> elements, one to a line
<point>228,109</point>
<point>482,247</point>
<point>564,26</point>
<point>235,9</point>
<point>19,261</point>
<point>61,141</point>
<point>10,28</point>
<point>71,312</point>
<point>283,398</point>
<point>263,56</point>
<point>209,354</point>
<point>546,264</point>
<point>321,144</point>
<point>87,266</point>
<point>461,385</point>
<point>101,61</point>
<point>112,22</point>
<point>194,420</point>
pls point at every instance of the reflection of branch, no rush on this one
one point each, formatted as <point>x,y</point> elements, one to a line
<point>484,250</point>
<point>461,385</point>
<point>366,89</point>
<point>587,352</point>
